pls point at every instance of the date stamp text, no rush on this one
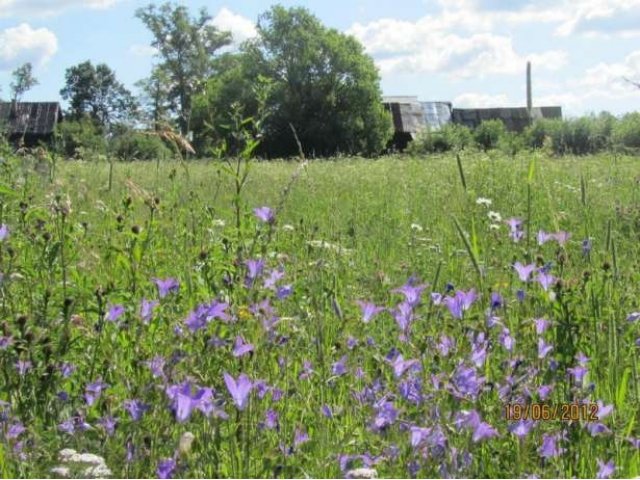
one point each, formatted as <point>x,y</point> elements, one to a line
<point>564,412</point>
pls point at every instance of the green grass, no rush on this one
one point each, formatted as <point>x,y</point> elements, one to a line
<point>65,262</point>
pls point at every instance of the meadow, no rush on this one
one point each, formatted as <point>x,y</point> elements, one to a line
<point>333,318</point>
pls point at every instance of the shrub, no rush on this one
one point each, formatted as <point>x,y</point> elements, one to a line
<point>139,146</point>
<point>450,137</point>
<point>77,139</point>
<point>626,131</point>
<point>487,135</point>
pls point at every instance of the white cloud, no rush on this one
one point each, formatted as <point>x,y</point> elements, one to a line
<point>9,8</point>
<point>602,17</point>
<point>139,50</point>
<point>480,100</point>
<point>24,44</point>
<point>429,45</point>
<point>241,28</point>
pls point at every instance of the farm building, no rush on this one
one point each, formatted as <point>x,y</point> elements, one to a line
<point>515,119</point>
<point>411,115</point>
<point>29,123</point>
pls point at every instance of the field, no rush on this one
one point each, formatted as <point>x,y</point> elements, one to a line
<point>380,314</point>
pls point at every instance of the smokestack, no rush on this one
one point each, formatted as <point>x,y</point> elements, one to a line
<point>529,98</point>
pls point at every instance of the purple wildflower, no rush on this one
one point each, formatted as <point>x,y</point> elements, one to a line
<point>109,424</point>
<point>307,370</point>
<point>284,292</point>
<point>467,419</point>
<point>496,300</point>
<point>411,390</point>
<point>5,342</point>
<point>264,214</point>
<point>549,447</point>
<point>586,247</point>
<point>403,316</point>
<point>466,381</point>
<point>136,408</point>
<point>300,437</point>
<point>183,401</point>
<point>23,366</point>
<point>166,468</point>
<point>419,435</point>
<point>524,271</point>
<point>544,391</point>
<point>67,426</point>
<point>386,415</point>
<point>272,279</point>
<point>515,229</point>
<point>483,431</point>
<point>241,348</point>
<point>156,365</point>
<point>271,420</point>
<point>544,237</point>
<point>146,309</point>
<point>461,302</point>
<point>521,428</point>
<point>239,389</point>
<point>400,365</point>
<point>436,298</point>
<point>603,410</point>
<point>67,369</point>
<point>93,391</point>
<point>578,373</point>
<point>541,325</point>
<point>445,345</point>
<point>369,310</point>
<point>633,316</point>
<point>411,293</point>
<point>339,367</point>
<point>543,348</point>
<point>326,411</point>
<point>605,470</point>
<point>507,341</point>
<point>254,270</point>
<point>166,286</point>
<point>15,430</point>
<point>597,428</point>
<point>561,237</point>
<point>545,280</point>
<point>520,294</point>
<point>114,312</point>
<point>4,232</point>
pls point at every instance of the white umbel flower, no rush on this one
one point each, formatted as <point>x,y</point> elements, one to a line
<point>484,201</point>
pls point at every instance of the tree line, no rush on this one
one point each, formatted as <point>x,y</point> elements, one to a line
<point>297,84</point>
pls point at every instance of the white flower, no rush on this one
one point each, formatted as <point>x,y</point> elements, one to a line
<point>287,228</point>
<point>483,201</point>
<point>218,223</point>
<point>494,216</point>
<point>362,473</point>
<point>185,442</point>
<point>60,472</point>
<point>416,228</point>
<point>493,226</point>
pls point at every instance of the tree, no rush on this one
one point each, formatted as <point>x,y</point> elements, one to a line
<point>154,98</point>
<point>95,91</point>
<point>323,84</point>
<point>187,47</point>
<point>23,81</point>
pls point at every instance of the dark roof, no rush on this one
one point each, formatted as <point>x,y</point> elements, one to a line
<point>32,118</point>
<point>407,117</point>
<point>515,119</point>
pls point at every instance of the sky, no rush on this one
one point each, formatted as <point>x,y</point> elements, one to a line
<point>472,53</point>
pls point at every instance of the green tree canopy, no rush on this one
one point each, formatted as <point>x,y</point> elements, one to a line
<point>94,91</point>
<point>186,47</point>
<point>23,81</point>
<point>322,83</point>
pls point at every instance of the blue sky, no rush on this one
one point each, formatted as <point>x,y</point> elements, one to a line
<point>470,52</point>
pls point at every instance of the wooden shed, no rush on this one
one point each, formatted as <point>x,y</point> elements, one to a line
<point>29,123</point>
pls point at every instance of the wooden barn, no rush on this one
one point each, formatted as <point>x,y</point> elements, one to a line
<point>411,115</point>
<point>29,124</point>
<point>515,119</point>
